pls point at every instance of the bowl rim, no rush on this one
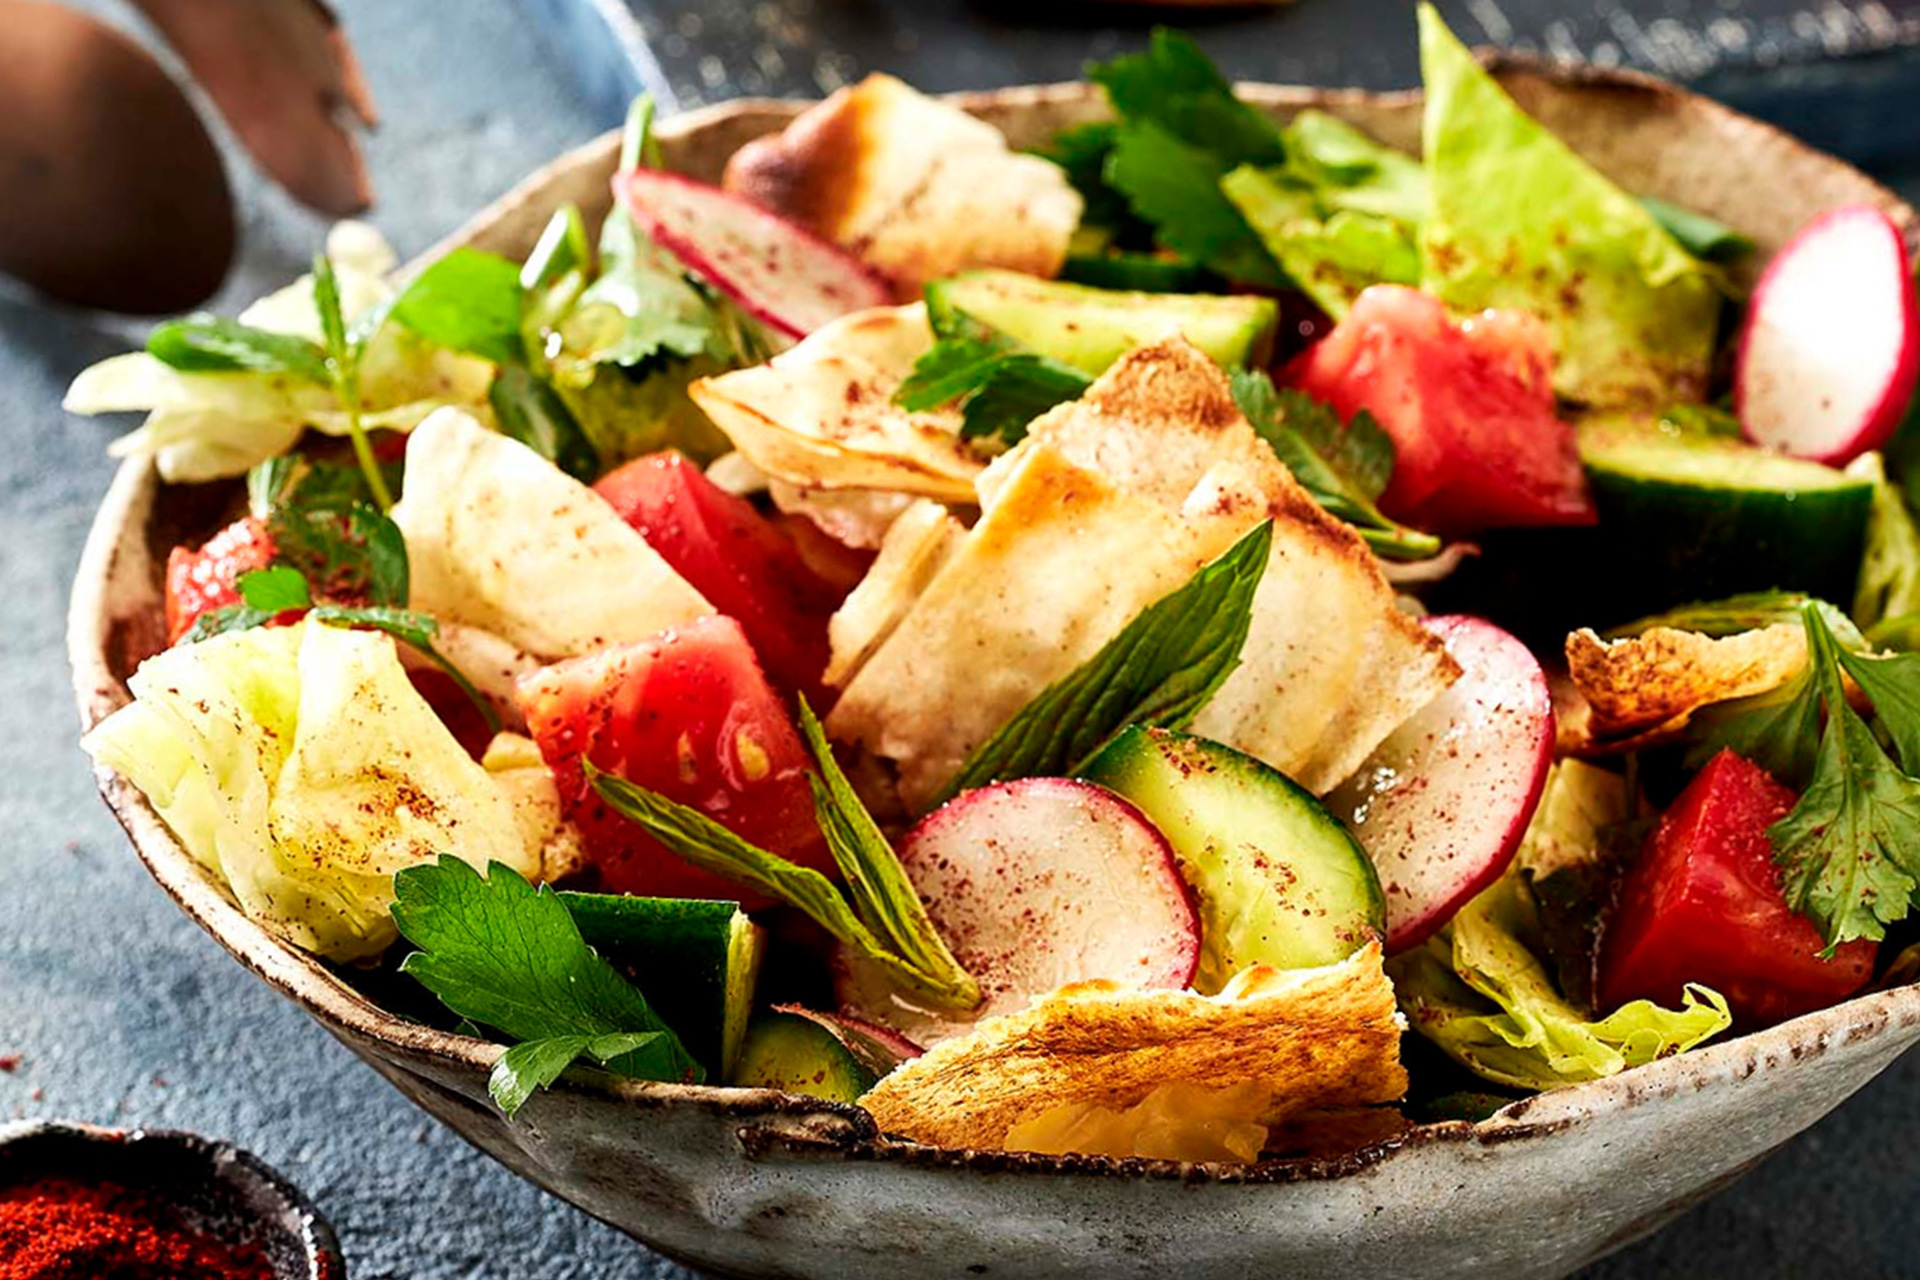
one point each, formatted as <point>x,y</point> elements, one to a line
<point>799,1125</point>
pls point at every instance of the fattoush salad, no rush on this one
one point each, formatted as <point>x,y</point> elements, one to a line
<point>1215,639</point>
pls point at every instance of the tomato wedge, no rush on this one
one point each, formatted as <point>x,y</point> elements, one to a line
<point>1469,407</point>
<point>688,714</point>
<point>1703,904</point>
<point>201,581</point>
<point>733,556</point>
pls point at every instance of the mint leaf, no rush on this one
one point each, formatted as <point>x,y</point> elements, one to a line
<point>1748,611</point>
<point>536,1064</point>
<point>274,589</point>
<point>699,840</point>
<point>204,343</point>
<point>507,956</point>
<point>1160,670</point>
<point>233,617</point>
<point>467,301</point>
<point>1344,468</point>
<point>882,895</point>
<point>1175,186</point>
<point>343,368</point>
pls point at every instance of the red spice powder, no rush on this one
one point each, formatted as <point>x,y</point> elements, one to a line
<point>62,1229</point>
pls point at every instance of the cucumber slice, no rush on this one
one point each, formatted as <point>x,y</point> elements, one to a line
<point>795,1054</point>
<point>1696,517</point>
<point>695,960</point>
<point>1091,328</point>
<point>1280,880</point>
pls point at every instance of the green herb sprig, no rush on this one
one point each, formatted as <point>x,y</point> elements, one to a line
<point>1001,386</point>
<point>502,954</point>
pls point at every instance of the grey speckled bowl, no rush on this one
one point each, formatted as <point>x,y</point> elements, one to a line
<point>762,1184</point>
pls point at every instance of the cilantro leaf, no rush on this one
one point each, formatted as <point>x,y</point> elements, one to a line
<point>1344,468</point>
<point>505,955</point>
<point>467,301</point>
<point>882,895</point>
<point>204,343</point>
<point>1160,670</point>
<point>699,840</point>
<point>1175,186</point>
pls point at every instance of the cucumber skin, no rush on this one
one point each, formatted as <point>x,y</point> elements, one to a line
<point>695,960</point>
<point>796,1055</point>
<point>1174,778</point>
<point>1239,328</point>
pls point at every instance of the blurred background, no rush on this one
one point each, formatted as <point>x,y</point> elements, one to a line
<point>153,154</point>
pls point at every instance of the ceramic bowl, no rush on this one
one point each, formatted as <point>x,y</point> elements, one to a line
<point>754,1183</point>
<point>228,1193</point>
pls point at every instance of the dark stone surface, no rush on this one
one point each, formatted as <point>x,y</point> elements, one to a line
<point>123,1012</point>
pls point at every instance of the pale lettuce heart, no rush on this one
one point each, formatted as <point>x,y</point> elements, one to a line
<point>501,539</point>
<point>300,766</point>
<point>204,426</point>
<point>1517,219</point>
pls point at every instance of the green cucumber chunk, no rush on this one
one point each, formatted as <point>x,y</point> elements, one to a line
<point>1281,881</point>
<point>797,1055</point>
<point>695,960</point>
<point>1687,516</point>
<point>1091,328</point>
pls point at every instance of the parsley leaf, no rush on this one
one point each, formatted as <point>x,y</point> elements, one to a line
<point>505,955</point>
<point>275,589</point>
<point>1160,670</point>
<point>1175,86</point>
<point>1176,187</point>
<point>1001,386</point>
<point>204,343</point>
<point>1081,152</point>
<point>1343,468</point>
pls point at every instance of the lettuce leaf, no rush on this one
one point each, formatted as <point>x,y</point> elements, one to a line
<point>205,426</point>
<point>301,768</point>
<point>1480,992</point>
<point>1331,256</point>
<point>1518,220</point>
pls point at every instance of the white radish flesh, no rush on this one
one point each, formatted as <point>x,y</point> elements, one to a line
<point>1831,348</point>
<point>1441,805</point>
<point>779,272</point>
<point>1035,884</point>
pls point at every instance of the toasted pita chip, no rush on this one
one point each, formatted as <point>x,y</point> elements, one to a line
<point>1058,564</point>
<point>500,539</point>
<point>821,415</point>
<point>915,187</point>
<point>1311,1040</point>
<point>1657,680</point>
<point>916,547</point>
<point>1307,699</point>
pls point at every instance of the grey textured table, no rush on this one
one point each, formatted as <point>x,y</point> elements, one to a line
<point>123,1012</point>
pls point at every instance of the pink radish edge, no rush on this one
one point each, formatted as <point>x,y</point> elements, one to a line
<point>1796,306</point>
<point>779,272</point>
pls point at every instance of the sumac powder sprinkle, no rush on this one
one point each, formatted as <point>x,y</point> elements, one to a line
<point>63,1229</point>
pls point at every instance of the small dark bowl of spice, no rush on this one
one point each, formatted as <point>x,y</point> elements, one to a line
<point>84,1203</point>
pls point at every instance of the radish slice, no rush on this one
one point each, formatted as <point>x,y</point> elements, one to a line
<point>1035,884</point>
<point>1441,805</point>
<point>779,272</point>
<point>1831,348</point>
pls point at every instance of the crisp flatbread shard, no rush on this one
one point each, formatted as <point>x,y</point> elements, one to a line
<point>820,415</point>
<point>1057,565</point>
<point>500,539</point>
<point>913,186</point>
<point>1314,1039</point>
<point>1110,503</point>
<point>1657,680</point>
<point>916,547</point>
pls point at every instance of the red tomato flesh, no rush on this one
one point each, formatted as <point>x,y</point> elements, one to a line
<point>733,556</point>
<point>1469,408</point>
<point>688,714</point>
<point>1703,904</point>
<point>201,581</point>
